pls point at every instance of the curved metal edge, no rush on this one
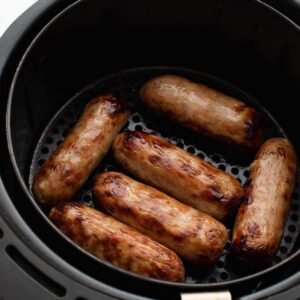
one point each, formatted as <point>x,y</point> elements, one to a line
<point>289,8</point>
<point>278,12</point>
<point>284,285</point>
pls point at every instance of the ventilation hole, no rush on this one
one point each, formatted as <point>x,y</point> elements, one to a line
<point>1,233</point>
<point>136,119</point>
<point>58,143</point>
<point>41,161</point>
<point>191,149</point>
<point>291,228</point>
<point>61,122</point>
<point>201,155</point>
<point>295,196</point>
<point>222,167</point>
<point>127,124</point>
<point>212,280</point>
<point>228,245</point>
<point>288,239</point>
<point>295,207</point>
<point>33,272</point>
<point>277,259</point>
<point>234,171</point>
<point>110,168</point>
<point>216,158</point>
<point>45,150</point>
<point>239,180</point>
<point>294,217</point>
<point>283,249</point>
<point>180,145</point>
<point>49,140</point>
<point>138,127</point>
<point>81,298</point>
<point>55,130</point>
<point>65,133</point>
<point>224,275</point>
<point>220,264</point>
<point>246,173</point>
<point>87,197</point>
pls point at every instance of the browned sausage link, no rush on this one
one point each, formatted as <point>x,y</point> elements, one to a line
<point>203,110</point>
<point>178,173</point>
<point>193,235</point>
<point>67,169</point>
<point>115,242</point>
<point>260,221</point>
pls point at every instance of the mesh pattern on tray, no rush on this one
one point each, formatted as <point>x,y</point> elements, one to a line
<point>127,84</point>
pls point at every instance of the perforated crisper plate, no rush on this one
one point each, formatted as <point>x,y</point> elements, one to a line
<point>127,85</point>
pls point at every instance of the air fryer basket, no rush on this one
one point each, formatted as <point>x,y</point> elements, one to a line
<point>127,84</point>
<point>243,43</point>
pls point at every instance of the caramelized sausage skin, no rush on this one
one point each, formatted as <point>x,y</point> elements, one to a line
<point>193,235</point>
<point>117,243</point>
<point>178,173</point>
<point>261,218</point>
<point>203,110</point>
<point>61,176</point>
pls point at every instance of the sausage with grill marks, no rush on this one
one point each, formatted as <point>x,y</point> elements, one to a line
<point>178,173</point>
<point>193,235</point>
<point>203,110</point>
<point>117,243</point>
<point>61,176</point>
<point>261,218</point>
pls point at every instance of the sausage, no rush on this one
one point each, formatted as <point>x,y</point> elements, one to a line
<point>178,173</point>
<point>117,243</point>
<point>203,110</point>
<point>61,176</point>
<point>261,218</point>
<point>193,235</point>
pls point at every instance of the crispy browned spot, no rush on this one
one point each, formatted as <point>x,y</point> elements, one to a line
<point>158,143</point>
<point>215,193</point>
<point>286,196</point>
<point>60,167</point>
<point>239,108</point>
<point>212,234</point>
<point>114,105</point>
<point>155,225</point>
<point>145,138</point>
<point>161,160</point>
<point>130,137</point>
<point>240,244</point>
<point>281,151</point>
<point>253,230</point>
<point>187,169</point>
<point>111,179</point>
<point>154,159</point>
